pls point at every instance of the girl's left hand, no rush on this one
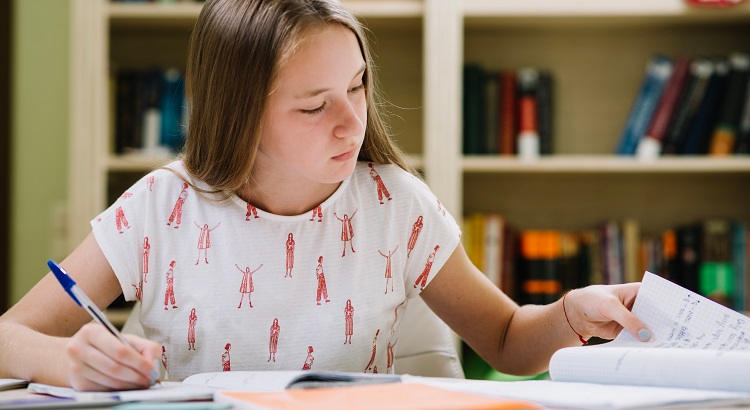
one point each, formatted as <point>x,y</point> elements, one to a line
<point>604,310</point>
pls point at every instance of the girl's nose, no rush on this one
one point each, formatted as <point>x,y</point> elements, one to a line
<point>349,124</point>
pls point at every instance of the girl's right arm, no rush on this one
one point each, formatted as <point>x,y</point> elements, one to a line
<point>45,336</point>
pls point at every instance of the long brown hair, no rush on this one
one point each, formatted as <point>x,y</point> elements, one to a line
<point>236,49</point>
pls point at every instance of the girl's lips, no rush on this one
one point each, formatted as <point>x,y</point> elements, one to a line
<point>344,156</point>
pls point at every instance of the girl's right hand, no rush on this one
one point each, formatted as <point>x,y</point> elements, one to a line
<point>98,361</point>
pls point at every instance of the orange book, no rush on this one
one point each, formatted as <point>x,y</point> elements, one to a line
<point>374,396</point>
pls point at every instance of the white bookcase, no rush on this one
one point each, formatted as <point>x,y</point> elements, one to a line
<point>596,51</point>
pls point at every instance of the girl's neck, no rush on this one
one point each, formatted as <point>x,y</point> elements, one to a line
<point>284,194</point>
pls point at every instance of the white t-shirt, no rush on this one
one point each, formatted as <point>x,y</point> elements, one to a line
<point>327,287</point>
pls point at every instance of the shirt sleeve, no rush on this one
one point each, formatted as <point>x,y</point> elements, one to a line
<point>119,231</point>
<point>433,235</point>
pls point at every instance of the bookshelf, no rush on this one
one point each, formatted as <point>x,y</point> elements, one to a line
<point>596,51</point>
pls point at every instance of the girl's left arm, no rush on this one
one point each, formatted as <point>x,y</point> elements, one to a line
<point>521,340</point>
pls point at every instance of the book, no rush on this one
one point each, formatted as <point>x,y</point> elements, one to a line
<point>728,121</point>
<point>508,111</point>
<point>700,72</point>
<point>698,136</point>
<point>527,141</point>
<point>473,109</point>
<point>658,71</point>
<point>491,115</point>
<point>650,145</point>
<point>696,344</point>
<point>739,261</point>
<point>743,133</point>
<point>716,273</point>
<point>544,98</point>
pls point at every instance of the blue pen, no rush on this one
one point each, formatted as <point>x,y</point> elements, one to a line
<point>83,301</point>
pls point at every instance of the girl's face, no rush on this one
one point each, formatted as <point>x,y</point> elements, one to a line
<point>316,113</point>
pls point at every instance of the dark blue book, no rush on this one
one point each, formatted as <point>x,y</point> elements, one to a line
<point>698,136</point>
<point>473,110</point>
<point>700,72</point>
<point>172,107</point>
<point>658,71</point>
<point>743,133</point>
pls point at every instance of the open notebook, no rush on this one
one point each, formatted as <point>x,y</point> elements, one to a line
<point>696,343</point>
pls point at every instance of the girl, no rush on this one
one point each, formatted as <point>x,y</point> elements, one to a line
<point>283,118</point>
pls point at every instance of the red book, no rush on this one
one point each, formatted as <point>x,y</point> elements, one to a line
<point>508,113</point>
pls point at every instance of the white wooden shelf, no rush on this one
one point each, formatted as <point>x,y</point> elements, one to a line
<point>598,8</point>
<point>186,13</point>
<point>144,163</point>
<point>605,164</point>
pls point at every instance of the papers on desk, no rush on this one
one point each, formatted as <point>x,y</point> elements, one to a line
<point>166,391</point>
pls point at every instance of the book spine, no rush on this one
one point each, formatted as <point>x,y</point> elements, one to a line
<point>700,72</point>
<point>528,135</point>
<point>544,97</point>
<point>631,239</point>
<point>491,117</point>
<point>728,121</point>
<point>698,137</point>
<point>658,71</point>
<point>669,255</point>
<point>650,146</point>
<point>739,259</point>
<point>509,276</point>
<point>743,133</point>
<point>173,109</point>
<point>491,244</point>
<point>508,114</point>
<point>716,278</point>
<point>473,99</point>
<point>689,254</point>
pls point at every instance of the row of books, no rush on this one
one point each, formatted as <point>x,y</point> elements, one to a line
<point>508,112</point>
<point>537,266</point>
<point>149,111</point>
<point>690,106</point>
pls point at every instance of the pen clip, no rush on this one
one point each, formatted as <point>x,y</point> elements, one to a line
<point>65,280</point>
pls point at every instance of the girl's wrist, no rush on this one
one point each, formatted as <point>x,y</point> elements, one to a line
<point>570,313</point>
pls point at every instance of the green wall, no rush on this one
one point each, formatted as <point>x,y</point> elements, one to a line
<point>39,112</point>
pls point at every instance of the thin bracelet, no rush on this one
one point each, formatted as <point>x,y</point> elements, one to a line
<point>583,341</point>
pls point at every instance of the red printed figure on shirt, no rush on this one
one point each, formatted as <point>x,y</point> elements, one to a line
<point>146,250</point>
<point>379,182</point>
<point>251,211</point>
<point>191,329</point>
<point>347,231</point>
<point>246,287</point>
<point>204,240</point>
<point>138,290</point>
<point>126,195</point>
<point>150,183</point>
<point>374,350</point>
<point>289,255</point>
<point>395,315</point>
<point>388,273</point>
<point>273,344</point>
<point>120,220</point>
<point>349,319</point>
<point>164,356</point>
<point>322,289</point>
<point>176,215</point>
<point>422,279</point>
<point>389,355</point>
<point>309,360</point>
<point>440,207</point>
<point>415,230</point>
<point>226,365</point>
<point>317,211</point>
<point>169,294</point>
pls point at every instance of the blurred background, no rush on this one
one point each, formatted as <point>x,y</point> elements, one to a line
<point>578,142</point>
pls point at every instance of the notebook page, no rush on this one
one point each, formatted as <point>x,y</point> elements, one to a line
<point>248,381</point>
<point>695,343</point>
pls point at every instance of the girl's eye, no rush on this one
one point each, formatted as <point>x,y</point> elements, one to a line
<point>315,110</point>
<point>357,88</point>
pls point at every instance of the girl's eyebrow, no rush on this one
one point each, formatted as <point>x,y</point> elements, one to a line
<point>315,92</point>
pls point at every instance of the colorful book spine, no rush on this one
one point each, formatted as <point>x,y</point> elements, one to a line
<point>716,276</point>
<point>173,110</point>
<point>650,146</point>
<point>527,142</point>
<point>658,71</point>
<point>743,134</point>
<point>728,122</point>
